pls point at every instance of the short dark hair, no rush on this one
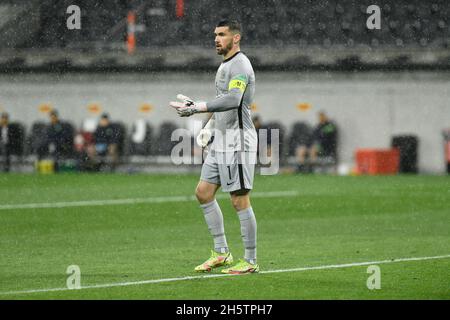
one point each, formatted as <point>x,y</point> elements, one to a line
<point>233,25</point>
<point>105,116</point>
<point>54,113</point>
<point>5,115</point>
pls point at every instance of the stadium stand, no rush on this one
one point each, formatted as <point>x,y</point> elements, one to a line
<point>278,35</point>
<point>291,28</point>
<point>287,22</point>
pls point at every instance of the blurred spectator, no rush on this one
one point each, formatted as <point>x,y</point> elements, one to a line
<point>59,139</point>
<point>105,150</point>
<point>5,141</point>
<point>324,142</point>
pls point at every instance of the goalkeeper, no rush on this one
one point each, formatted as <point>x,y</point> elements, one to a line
<point>231,160</point>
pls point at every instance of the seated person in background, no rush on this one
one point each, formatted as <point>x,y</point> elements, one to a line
<point>5,141</point>
<point>324,139</point>
<point>105,142</point>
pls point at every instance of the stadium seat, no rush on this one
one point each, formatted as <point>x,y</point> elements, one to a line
<point>277,125</point>
<point>37,140</point>
<point>407,145</point>
<point>141,139</point>
<point>67,143</point>
<point>327,157</point>
<point>120,134</point>
<point>18,134</point>
<point>164,144</point>
<point>301,134</point>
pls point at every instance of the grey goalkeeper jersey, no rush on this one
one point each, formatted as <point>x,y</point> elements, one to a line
<point>235,88</point>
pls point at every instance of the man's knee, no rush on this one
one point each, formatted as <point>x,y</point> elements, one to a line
<point>204,193</point>
<point>240,200</point>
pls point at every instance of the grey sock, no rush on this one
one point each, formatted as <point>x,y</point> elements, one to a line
<point>214,220</point>
<point>248,232</point>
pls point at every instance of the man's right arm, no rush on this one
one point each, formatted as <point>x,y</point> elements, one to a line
<point>236,87</point>
<point>228,101</point>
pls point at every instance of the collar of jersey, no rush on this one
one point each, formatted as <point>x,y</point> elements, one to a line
<point>234,55</point>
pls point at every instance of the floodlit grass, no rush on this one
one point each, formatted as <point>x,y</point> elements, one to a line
<point>332,220</point>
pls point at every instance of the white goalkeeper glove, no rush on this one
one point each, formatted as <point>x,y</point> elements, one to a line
<point>188,107</point>
<point>205,134</point>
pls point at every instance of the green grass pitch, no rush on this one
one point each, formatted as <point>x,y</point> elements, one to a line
<point>331,220</point>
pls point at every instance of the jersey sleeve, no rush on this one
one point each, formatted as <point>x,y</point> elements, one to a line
<point>236,88</point>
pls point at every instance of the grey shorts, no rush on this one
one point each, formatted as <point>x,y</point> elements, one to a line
<point>232,170</point>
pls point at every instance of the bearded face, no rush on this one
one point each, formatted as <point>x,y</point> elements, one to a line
<point>224,40</point>
<point>223,51</point>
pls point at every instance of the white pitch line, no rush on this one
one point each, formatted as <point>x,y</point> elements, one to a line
<point>89,203</point>
<point>135,283</point>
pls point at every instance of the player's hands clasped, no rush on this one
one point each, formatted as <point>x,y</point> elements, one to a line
<point>187,107</point>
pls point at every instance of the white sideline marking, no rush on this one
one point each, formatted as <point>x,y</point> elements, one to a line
<point>134,283</point>
<point>135,200</point>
